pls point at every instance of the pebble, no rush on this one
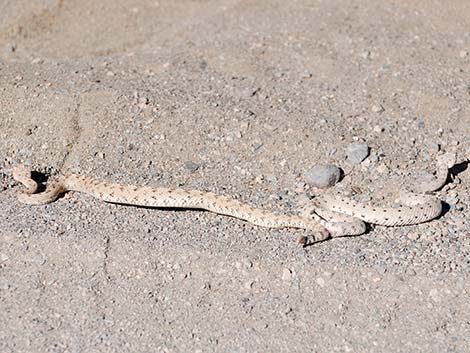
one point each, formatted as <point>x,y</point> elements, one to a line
<point>303,199</point>
<point>413,236</point>
<point>377,108</point>
<point>434,148</point>
<point>357,152</point>
<point>279,74</point>
<point>37,61</point>
<point>143,102</point>
<point>374,158</point>
<point>10,47</point>
<point>259,179</point>
<point>286,275</point>
<point>191,166</point>
<point>320,281</point>
<point>381,268</point>
<point>39,260</point>
<point>366,54</point>
<point>287,310</point>
<point>463,53</point>
<point>378,129</point>
<point>248,285</point>
<point>250,92</point>
<point>323,176</point>
<point>300,187</point>
<point>270,178</point>
<point>4,285</point>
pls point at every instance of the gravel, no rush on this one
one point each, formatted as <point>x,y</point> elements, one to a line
<point>377,108</point>
<point>357,152</point>
<point>191,166</point>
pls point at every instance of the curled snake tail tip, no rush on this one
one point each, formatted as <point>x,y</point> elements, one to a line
<point>303,241</point>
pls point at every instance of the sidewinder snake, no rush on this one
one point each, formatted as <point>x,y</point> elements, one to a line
<point>328,216</point>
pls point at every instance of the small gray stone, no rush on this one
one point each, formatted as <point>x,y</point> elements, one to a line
<point>4,285</point>
<point>191,166</point>
<point>374,158</point>
<point>323,176</point>
<point>203,65</point>
<point>357,152</point>
<point>434,147</point>
<point>250,92</point>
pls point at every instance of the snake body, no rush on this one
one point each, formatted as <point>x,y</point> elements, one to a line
<point>429,208</point>
<point>417,206</point>
<point>161,198</point>
<point>329,215</point>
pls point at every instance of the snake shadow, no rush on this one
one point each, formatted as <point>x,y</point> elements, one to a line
<point>453,172</point>
<point>458,168</point>
<point>41,179</point>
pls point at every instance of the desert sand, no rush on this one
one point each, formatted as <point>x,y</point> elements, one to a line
<point>241,98</point>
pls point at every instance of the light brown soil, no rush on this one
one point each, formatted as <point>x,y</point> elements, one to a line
<point>240,98</point>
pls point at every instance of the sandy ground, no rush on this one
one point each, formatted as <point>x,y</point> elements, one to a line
<point>240,98</point>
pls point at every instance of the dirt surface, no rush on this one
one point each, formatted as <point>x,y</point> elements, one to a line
<point>240,98</point>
